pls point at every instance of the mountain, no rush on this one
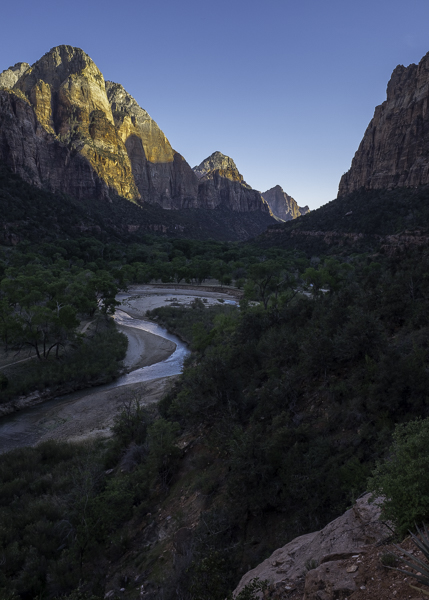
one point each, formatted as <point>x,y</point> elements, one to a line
<point>394,151</point>
<point>220,184</point>
<point>282,205</point>
<point>63,128</point>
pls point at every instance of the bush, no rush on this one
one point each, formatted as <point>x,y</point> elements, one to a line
<point>403,478</point>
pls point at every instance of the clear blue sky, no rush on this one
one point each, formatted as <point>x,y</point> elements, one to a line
<point>284,87</point>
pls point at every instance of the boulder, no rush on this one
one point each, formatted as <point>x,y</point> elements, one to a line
<point>346,536</point>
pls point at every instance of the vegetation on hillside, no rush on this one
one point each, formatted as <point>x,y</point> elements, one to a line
<point>28,213</point>
<point>371,213</point>
<point>285,407</point>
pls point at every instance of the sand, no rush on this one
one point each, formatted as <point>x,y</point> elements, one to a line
<point>93,414</point>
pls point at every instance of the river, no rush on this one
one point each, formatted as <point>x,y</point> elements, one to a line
<point>29,426</point>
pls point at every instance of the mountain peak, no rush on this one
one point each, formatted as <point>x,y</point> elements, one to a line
<point>218,162</point>
<point>393,151</point>
<point>282,205</point>
<point>11,75</point>
<point>57,65</point>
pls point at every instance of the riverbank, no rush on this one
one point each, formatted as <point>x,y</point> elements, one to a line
<point>141,298</point>
<point>90,413</point>
<point>93,416</point>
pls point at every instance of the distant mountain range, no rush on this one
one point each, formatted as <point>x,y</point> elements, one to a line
<point>63,128</point>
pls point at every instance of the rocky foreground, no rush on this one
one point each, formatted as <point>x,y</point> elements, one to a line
<point>343,561</point>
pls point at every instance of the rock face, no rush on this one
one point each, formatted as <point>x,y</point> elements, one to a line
<point>62,127</point>
<point>282,205</point>
<point>220,185</point>
<point>162,176</point>
<point>42,160</point>
<point>68,94</point>
<point>343,538</point>
<point>394,149</point>
<point>9,77</point>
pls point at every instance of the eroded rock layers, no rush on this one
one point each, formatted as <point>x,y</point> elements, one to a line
<point>220,185</point>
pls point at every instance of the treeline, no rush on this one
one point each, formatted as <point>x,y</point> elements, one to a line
<point>49,290</point>
<point>372,213</point>
<point>28,213</point>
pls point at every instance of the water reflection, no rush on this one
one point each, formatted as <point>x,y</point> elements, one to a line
<point>24,428</point>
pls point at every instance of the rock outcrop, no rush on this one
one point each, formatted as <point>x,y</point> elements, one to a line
<point>220,185</point>
<point>282,205</point>
<point>63,128</point>
<point>394,150</point>
<point>319,553</point>
<point>11,75</point>
<point>68,94</point>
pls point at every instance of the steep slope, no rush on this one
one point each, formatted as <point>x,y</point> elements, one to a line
<point>162,175</point>
<point>222,186</point>
<point>67,92</point>
<point>30,213</point>
<point>363,221</point>
<point>394,151</point>
<point>11,75</point>
<point>38,156</point>
<point>282,205</point>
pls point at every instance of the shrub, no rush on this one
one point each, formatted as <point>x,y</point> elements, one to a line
<point>402,479</point>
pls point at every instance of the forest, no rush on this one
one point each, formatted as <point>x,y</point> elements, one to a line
<point>283,416</point>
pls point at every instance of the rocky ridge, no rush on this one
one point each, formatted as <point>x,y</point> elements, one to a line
<point>282,205</point>
<point>327,564</point>
<point>394,149</point>
<point>90,139</point>
<point>162,176</point>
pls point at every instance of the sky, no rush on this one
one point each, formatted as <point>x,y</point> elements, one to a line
<point>284,87</point>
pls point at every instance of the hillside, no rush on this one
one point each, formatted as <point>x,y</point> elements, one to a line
<point>29,213</point>
<point>363,221</point>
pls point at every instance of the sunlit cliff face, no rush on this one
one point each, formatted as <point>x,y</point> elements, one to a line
<point>99,120</point>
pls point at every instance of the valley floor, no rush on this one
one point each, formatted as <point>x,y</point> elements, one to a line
<point>82,415</point>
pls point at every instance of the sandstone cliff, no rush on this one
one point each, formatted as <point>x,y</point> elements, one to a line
<point>38,156</point>
<point>282,205</point>
<point>63,128</point>
<point>67,92</point>
<point>162,175</point>
<point>76,113</point>
<point>220,185</point>
<point>394,149</point>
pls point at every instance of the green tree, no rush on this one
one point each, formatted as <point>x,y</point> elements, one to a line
<point>402,479</point>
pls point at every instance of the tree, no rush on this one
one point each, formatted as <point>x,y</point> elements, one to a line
<point>402,479</point>
<point>267,280</point>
